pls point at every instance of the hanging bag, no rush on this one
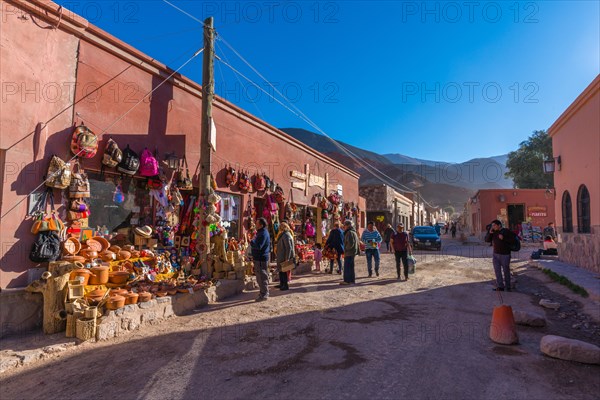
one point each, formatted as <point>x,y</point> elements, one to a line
<point>112,154</point>
<point>184,182</point>
<point>84,142</point>
<point>130,162</point>
<point>80,185</point>
<point>59,173</point>
<point>148,164</point>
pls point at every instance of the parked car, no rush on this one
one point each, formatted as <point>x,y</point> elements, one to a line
<point>425,237</point>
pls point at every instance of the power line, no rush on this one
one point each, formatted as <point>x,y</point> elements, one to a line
<point>106,129</point>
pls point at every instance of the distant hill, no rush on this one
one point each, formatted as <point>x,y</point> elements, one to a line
<point>439,182</point>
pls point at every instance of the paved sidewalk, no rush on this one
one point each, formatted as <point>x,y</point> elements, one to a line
<point>588,280</point>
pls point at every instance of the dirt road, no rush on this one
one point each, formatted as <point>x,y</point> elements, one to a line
<point>425,338</point>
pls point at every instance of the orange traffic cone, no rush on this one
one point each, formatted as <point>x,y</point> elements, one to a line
<point>503,329</point>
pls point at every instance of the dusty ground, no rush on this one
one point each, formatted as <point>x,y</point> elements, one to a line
<point>425,338</point>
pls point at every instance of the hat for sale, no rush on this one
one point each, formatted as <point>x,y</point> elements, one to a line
<point>143,231</point>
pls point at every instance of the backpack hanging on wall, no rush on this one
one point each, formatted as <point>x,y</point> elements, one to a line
<point>80,185</point>
<point>130,162</point>
<point>148,164</point>
<point>46,247</point>
<point>59,174</point>
<point>84,142</point>
<point>112,154</point>
<point>183,181</point>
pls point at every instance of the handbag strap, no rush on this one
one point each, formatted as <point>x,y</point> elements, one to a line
<point>187,171</point>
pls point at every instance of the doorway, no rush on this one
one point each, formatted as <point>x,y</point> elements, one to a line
<point>516,215</point>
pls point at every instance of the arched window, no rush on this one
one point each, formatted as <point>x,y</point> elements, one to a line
<point>583,210</point>
<point>567,212</point>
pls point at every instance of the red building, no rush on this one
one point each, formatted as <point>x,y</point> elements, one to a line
<point>511,206</point>
<point>76,73</point>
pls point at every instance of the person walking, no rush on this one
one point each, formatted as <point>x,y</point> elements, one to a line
<point>453,229</point>
<point>335,241</point>
<point>387,235</point>
<point>284,251</point>
<point>261,251</point>
<point>372,239</point>
<point>501,239</point>
<point>351,250</point>
<point>401,244</point>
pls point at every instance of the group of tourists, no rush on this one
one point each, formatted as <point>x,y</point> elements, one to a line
<point>342,240</point>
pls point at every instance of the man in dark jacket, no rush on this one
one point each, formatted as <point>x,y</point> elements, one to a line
<point>401,244</point>
<point>335,241</point>
<point>351,250</point>
<point>387,236</point>
<point>261,250</point>
<point>502,240</point>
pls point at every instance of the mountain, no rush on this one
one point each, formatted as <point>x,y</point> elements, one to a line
<point>440,183</point>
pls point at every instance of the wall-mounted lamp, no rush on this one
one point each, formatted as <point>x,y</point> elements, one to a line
<point>172,161</point>
<point>550,167</point>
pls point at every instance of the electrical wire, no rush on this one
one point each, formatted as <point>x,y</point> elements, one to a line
<point>107,128</point>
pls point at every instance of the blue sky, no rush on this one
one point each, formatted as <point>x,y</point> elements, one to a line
<point>446,81</point>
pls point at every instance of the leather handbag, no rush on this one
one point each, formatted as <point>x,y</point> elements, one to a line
<point>287,265</point>
<point>59,173</point>
<point>80,185</point>
<point>184,182</point>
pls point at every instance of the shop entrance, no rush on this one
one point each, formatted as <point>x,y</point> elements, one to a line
<point>516,215</point>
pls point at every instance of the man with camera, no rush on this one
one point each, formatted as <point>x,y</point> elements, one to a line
<point>502,240</point>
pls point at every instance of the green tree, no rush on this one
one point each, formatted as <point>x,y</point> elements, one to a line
<point>525,165</point>
<point>450,210</point>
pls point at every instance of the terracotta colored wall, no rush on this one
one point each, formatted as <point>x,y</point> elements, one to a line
<point>488,204</point>
<point>576,139</point>
<point>169,120</point>
<point>37,78</point>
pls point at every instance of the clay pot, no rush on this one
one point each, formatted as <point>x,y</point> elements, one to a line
<point>103,242</point>
<point>172,292</point>
<point>108,256</point>
<point>72,246</point>
<point>144,297</point>
<point>128,247</point>
<point>135,254</point>
<point>74,259</point>
<point>115,302</point>
<point>123,255</point>
<point>94,245</point>
<point>100,275</point>
<point>81,274</point>
<point>118,277</point>
<point>95,295</point>
<point>131,298</point>
<point>118,292</point>
<point>89,254</point>
<point>161,294</point>
<point>115,249</point>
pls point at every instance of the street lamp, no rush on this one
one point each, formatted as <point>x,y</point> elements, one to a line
<point>549,166</point>
<point>172,161</point>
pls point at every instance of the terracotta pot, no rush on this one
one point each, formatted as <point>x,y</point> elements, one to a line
<point>115,302</point>
<point>89,254</point>
<point>103,242</point>
<point>95,295</point>
<point>81,274</point>
<point>123,255</point>
<point>94,245</point>
<point>131,298</point>
<point>118,277</point>
<point>161,294</point>
<point>108,256</point>
<point>115,249</point>
<point>74,259</point>
<point>172,292</point>
<point>135,254</point>
<point>145,296</point>
<point>128,247</point>
<point>118,292</point>
<point>100,275</point>
<point>72,246</point>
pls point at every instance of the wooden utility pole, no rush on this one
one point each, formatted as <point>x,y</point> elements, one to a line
<point>208,90</point>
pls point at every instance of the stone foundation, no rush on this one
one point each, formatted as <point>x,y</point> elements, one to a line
<point>20,312</point>
<point>581,249</point>
<point>132,316</point>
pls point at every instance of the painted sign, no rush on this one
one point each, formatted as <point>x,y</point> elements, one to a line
<point>314,180</point>
<point>537,211</point>
<point>299,185</point>
<point>298,175</point>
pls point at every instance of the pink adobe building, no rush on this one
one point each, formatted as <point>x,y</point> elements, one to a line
<point>576,149</point>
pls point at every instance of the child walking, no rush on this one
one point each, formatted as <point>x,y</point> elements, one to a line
<point>318,256</point>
